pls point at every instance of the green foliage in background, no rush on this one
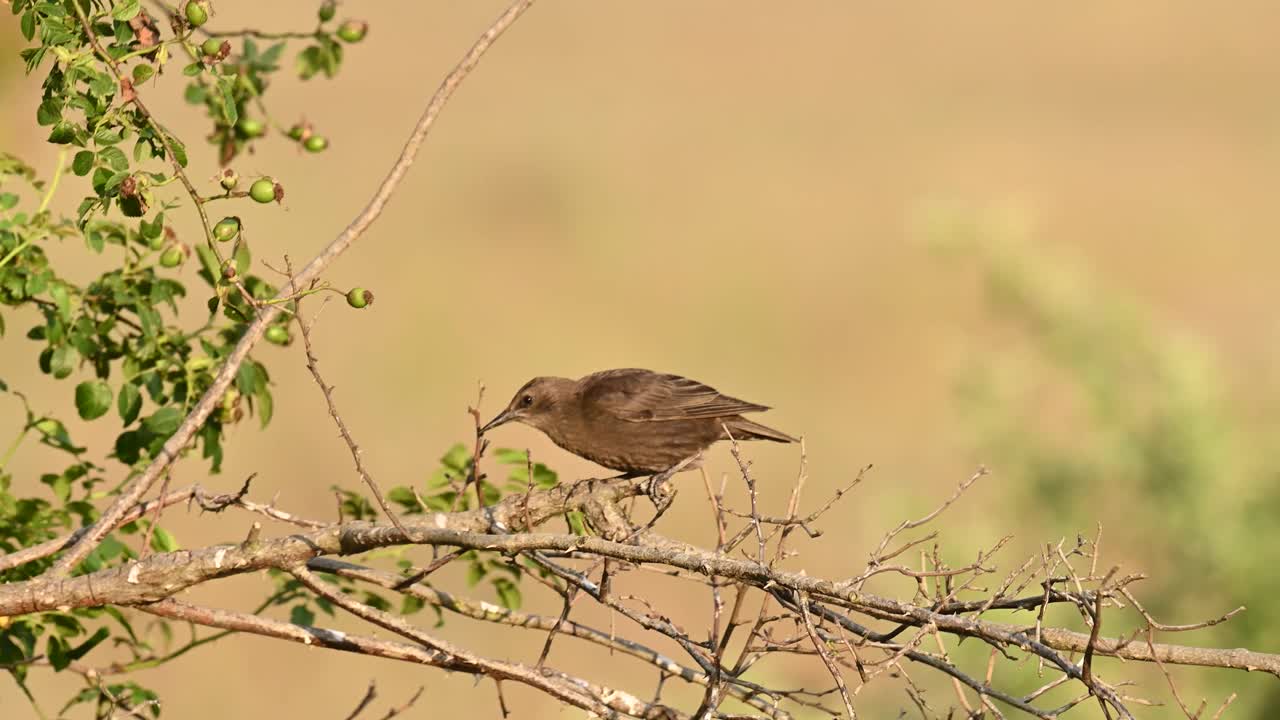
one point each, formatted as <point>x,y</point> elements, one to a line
<point>1086,404</point>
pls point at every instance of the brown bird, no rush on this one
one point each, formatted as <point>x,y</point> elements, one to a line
<point>637,421</point>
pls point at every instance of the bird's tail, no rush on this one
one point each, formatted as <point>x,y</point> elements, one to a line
<point>743,429</point>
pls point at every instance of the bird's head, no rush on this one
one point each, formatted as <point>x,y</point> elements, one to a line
<point>535,404</point>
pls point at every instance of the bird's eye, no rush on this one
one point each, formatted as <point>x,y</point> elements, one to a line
<point>527,400</point>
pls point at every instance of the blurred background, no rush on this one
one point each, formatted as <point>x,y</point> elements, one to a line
<point>1035,238</point>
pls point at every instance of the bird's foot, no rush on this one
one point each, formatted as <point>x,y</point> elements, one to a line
<point>659,489</point>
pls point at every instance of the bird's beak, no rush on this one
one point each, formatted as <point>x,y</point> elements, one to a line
<point>503,417</point>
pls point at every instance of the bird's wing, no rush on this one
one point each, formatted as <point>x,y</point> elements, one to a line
<point>645,396</point>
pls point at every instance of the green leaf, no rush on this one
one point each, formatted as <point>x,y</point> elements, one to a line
<point>476,572</point>
<point>125,10</point>
<point>508,593</point>
<point>508,456</point>
<point>163,541</point>
<point>142,73</point>
<point>8,200</point>
<point>266,406</point>
<point>28,25</point>
<point>129,402</point>
<point>54,434</point>
<point>108,135</point>
<point>58,652</point>
<point>82,163</point>
<point>250,378</point>
<point>577,522</point>
<point>62,361</point>
<point>49,112</point>
<point>411,604</point>
<point>163,421</point>
<point>195,94</point>
<point>93,399</point>
<point>128,447</point>
<point>302,615</point>
<point>62,299</point>
<point>179,150</point>
<point>61,486</point>
<point>230,115</point>
<point>457,458</point>
<point>62,133</point>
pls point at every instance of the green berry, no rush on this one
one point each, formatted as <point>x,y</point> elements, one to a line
<point>226,229</point>
<point>359,298</point>
<point>327,8</point>
<point>298,132</point>
<point>316,143</point>
<point>251,127</point>
<point>353,31</point>
<point>263,190</point>
<point>213,47</point>
<point>197,12</point>
<point>172,256</point>
<point>278,335</point>
<point>229,179</point>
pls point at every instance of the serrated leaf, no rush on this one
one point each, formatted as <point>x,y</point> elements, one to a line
<point>142,73</point>
<point>93,399</point>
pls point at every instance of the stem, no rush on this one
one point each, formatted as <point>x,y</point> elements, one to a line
<point>13,447</point>
<point>53,183</point>
<point>14,253</point>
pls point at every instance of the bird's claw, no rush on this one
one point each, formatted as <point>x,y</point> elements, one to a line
<point>659,489</point>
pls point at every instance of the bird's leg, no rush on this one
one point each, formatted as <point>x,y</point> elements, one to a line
<point>659,489</point>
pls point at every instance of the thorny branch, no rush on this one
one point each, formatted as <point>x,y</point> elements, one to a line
<point>831,621</point>
<point>839,624</point>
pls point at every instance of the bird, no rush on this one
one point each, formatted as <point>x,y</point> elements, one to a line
<point>638,422</point>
